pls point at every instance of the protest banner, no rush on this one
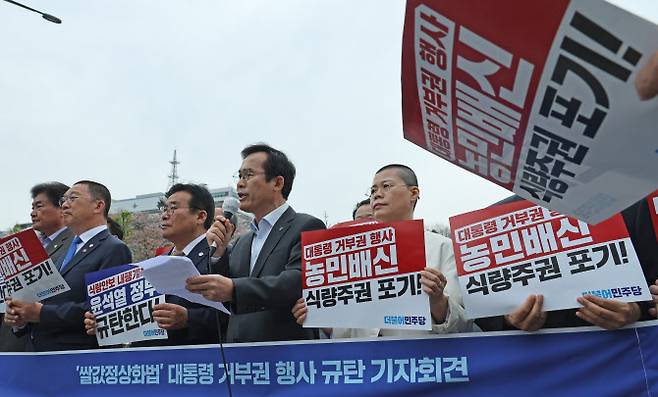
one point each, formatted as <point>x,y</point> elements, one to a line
<point>535,96</point>
<point>507,252</point>
<point>122,301</point>
<point>3,293</point>
<point>653,210</point>
<point>29,274</point>
<point>576,362</point>
<point>365,276</point>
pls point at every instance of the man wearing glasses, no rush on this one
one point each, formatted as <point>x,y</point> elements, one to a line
<point>261,273</point>
<point>185,217</point>
<point>394,194</point>
<point>56,323</point>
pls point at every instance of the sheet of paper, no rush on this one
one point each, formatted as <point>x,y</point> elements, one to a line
<point>168,274</point>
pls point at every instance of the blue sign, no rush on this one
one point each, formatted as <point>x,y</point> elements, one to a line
<point>570,363</point>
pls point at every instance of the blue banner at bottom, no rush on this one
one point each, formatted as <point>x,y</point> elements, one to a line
<point>567,363</point>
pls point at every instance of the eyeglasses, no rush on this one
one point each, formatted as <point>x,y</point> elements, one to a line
<point>69,199</point>
<point>246,175</point>
<point>170,209</point>
<point>385,188</point>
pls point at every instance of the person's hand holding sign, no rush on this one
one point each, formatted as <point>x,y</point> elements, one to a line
<point>434,283</point>
<point>607,313</point>
<point>646,82</point>
<point>654,294</point>
<point>530,315</point>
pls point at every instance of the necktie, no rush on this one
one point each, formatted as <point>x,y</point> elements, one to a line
<point>70,253</point>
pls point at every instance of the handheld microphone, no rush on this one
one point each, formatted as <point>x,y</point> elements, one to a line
<point>230,207</point>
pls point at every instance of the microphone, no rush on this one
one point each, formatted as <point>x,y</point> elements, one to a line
<point>230,207</point>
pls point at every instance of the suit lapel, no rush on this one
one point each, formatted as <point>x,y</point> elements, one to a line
<point>199,256</point>
<point>241,255</point>
<point>278,230</point>
<point>58,242</point>
<point>86,249</point>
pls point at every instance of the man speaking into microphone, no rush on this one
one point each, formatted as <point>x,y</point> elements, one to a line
<point>260,275</point>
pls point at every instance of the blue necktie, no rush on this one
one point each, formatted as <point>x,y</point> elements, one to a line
<point>70,253</point>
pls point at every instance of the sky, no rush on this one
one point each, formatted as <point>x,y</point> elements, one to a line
<point>112,91</point>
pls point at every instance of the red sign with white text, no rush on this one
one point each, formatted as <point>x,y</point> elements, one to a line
<point>365,275</point>
<point>27,271</point>
<point>653,209</point>
<point>531,95</point>
<point>507,252</point>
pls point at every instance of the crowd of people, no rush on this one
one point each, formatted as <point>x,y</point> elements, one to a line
<point>259,275</point>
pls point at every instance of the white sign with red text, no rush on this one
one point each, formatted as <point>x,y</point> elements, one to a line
<point>365,276</point>
<point>507,252</point>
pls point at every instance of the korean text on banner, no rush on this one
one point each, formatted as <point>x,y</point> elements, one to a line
<point>122,301</point>
<point>365,276</point>
<point>537,97</point>
<point>507,252</point>
<point>29,274</point>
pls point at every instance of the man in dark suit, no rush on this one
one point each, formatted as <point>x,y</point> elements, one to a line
<point>261,275</point>
<point>48,221</point>
<point>56,323</point>
<point>186,216</point>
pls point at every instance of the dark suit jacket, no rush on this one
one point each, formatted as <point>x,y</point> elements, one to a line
<point>61,322</point>
<point>201,320</point>
<point>55,250</point>
<point>263,299</point>
<point>640,229</point>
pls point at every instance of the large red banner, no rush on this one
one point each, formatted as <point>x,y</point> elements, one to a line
<point>533,95</point>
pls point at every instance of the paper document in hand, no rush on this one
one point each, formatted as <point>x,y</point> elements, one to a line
<point>168,274</point>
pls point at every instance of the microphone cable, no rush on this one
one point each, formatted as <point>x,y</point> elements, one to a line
<point>219,334</point>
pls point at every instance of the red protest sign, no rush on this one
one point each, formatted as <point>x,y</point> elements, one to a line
<point>531,96</point>
<point>507,252</point>
<point>19,252</point>
<point>365,275</point>
<point>356,253</point>
<point>27,271</point>
<point>653,209</point>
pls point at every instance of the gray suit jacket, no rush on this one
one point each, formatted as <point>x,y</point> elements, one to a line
<point>61,322</point>
<point>55,250</point>
<point>263,299</point>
